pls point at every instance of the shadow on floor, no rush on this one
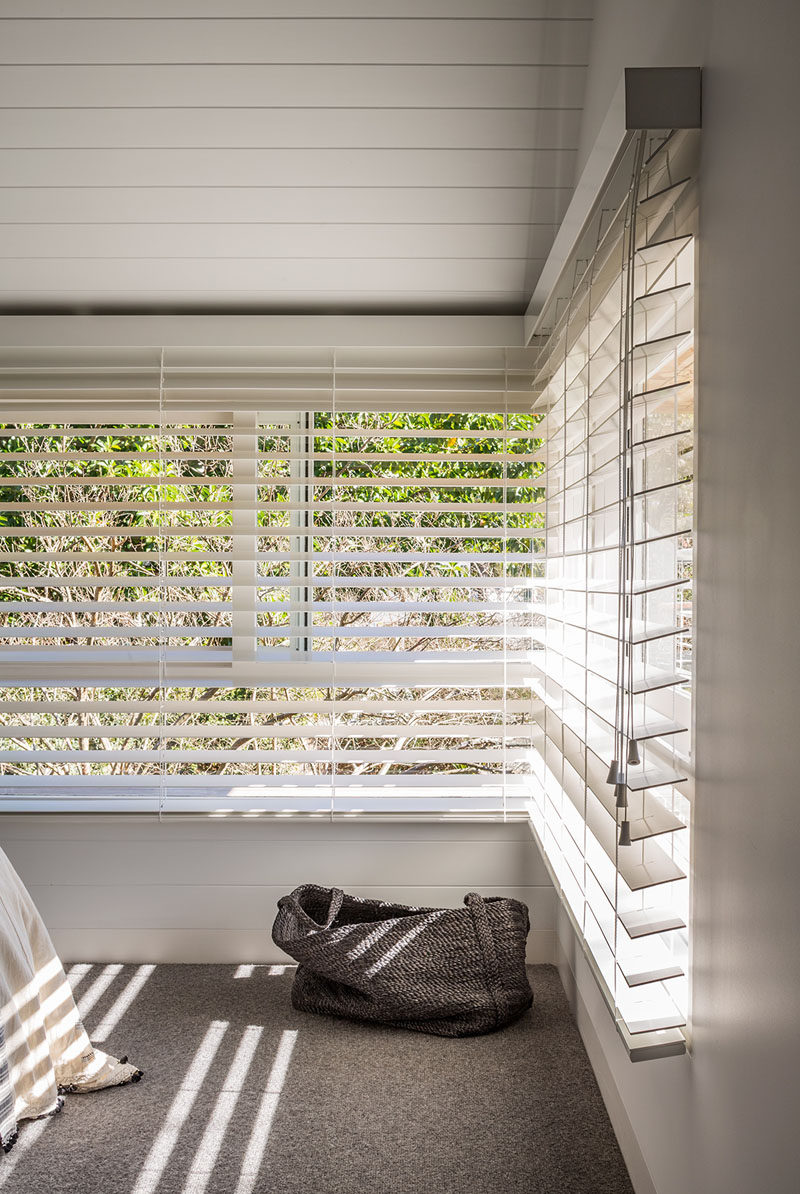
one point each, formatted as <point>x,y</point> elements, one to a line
<point>243,1095</point>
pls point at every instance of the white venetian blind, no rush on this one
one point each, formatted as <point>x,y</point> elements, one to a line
<point>287,581</point>
<point>612,789</point>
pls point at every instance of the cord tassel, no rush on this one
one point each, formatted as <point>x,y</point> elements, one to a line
<point>633,753</point>
<point>613,772</point>
<point>621,793</point>
<point>625,833</point>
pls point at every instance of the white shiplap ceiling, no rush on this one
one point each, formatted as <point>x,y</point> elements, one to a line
<point>321,155</point>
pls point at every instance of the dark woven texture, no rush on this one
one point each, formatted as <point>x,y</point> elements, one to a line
<point>445,971</point>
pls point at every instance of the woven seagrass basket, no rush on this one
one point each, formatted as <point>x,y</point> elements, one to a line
<point>446,971</point>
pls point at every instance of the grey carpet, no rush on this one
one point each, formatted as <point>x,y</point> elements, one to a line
<point>362,1110</point>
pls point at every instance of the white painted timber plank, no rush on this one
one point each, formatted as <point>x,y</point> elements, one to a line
<point>148,276</point>
<point>220,946</point>
<point>205,907</point>
<point>110,827</point>
<point>237,9</point>
<point>270,39</point>
<point>253,241</point>
<point>287,167</point>
<point>292,86</point>
<point>329,127</point>
<point>216,864</point>
<point>483,204</point>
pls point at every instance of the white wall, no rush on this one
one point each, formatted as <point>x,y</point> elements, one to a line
<point>724,1121</point>
<point>133,889</point>
<point>420,162</point>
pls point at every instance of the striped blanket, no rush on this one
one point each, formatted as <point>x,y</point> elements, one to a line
<point>44,1049</point>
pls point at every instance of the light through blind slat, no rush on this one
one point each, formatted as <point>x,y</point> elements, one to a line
<point>259,587</point>
<point>612,640</point>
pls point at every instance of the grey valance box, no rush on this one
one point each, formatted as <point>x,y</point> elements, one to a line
<point>447,971</point>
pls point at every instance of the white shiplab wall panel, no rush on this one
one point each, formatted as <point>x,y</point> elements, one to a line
<point>254,863</point>
<point>279,204</point>
<point>286,167</point>
<point>300,86</point>
<point>133,889</point>
<point>187,906</point>
<point>248,276</point>
<point>330,113</point>
<point>288,128</point>
<point>238,9</point>
<point>312,241</point>
<point>281,40</point>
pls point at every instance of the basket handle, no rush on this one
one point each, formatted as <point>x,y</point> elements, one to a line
<point>293,901</point>
<point>335,907</point>
<point>486,944</point>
